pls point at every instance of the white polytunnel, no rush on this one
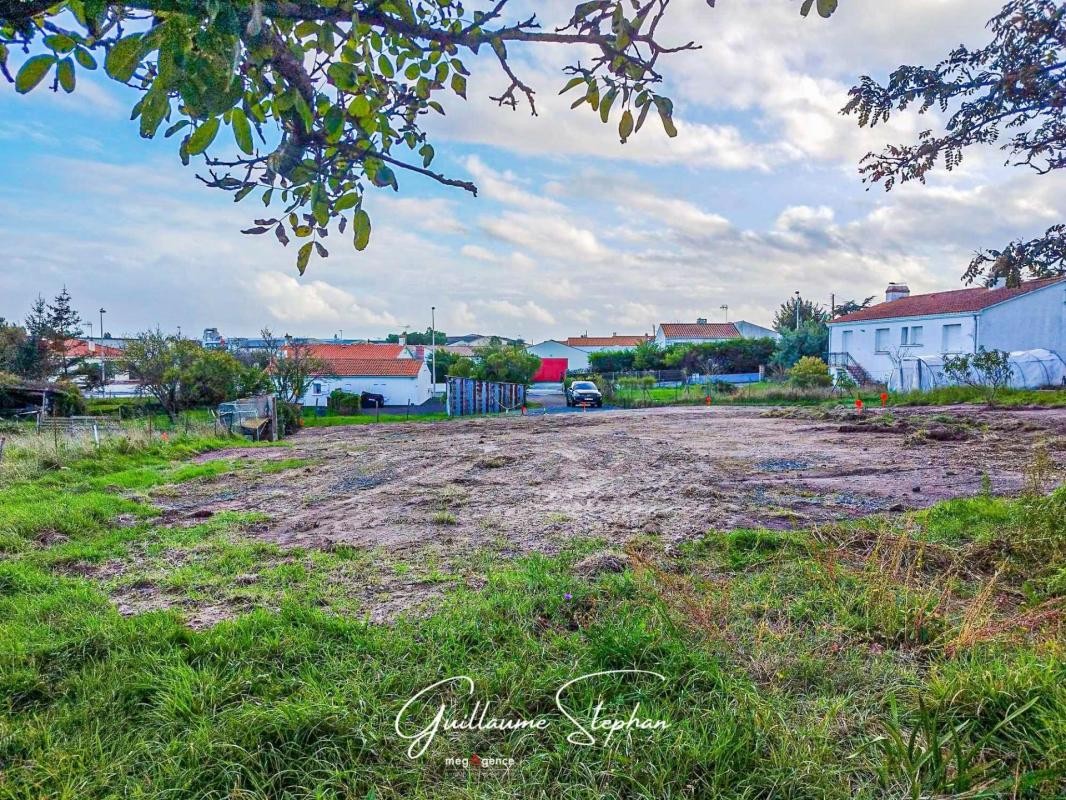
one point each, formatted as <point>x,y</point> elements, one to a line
<point>1030,369</point>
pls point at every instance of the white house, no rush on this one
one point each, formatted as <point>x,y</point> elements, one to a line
<point>871,342</point>
<point>552,348</point>
<point>385,369</point>
<point>576,349</point>
<point>702,331</point>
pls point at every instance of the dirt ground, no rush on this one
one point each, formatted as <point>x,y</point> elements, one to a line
<point>510,486</point>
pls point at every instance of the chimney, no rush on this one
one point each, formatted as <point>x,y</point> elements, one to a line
<point>403,340</point>
<point>701,321</point>
<point>896,291</point>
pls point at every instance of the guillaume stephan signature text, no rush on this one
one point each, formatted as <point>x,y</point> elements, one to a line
<point>585,731</point>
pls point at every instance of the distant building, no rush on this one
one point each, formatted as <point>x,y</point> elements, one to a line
<point>576,349</point>
<point>478,340</point>
<point>701,331</point>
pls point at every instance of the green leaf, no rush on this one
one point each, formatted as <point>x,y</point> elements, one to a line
<point>123,58</point>
<point>203,136</point>
<point>385,66</point>
<point>242,130</point>
<point>606,103</point>
<point>805,9</point>
<point>85,58</point>
<point>570,84</point>
<point>65,72</point>
<point>359,107</point>
<point>33,72</point>
<point>625,125</point>
<point>59,42</point>
<point>427,152</point>
<point>827,7</point>
<point>459,85</point>
<point>666,114</point>
<point>350,200</point>
<point>303,257</point>
<point>361,225</point>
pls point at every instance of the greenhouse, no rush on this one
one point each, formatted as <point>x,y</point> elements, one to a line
<point>1030,369</point>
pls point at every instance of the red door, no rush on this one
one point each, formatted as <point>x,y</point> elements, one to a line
<point>552,370</point>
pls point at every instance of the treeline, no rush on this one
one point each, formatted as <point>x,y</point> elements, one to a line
<point>710,358</point>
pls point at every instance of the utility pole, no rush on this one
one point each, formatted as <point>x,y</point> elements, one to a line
<point>433,345</point>
<point>725,308</point>
<point>797,310</point>
<point>103,370</point>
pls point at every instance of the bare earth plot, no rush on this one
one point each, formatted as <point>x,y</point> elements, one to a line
<point>451,494</point>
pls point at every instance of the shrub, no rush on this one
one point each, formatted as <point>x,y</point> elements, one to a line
<point>987,370</point>
<point>289,417</point>
<point>344,403</point>
<point>810,371</point>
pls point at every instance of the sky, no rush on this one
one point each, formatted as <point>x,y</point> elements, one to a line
<point>758,197</point>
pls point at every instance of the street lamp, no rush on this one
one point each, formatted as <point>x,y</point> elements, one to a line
<point>433,345</point>
<point>797,310</point>
<point>725,308</point>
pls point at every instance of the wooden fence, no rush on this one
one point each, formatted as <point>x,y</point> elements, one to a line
<point>467,396</point>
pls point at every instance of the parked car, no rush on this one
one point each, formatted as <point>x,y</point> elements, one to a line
<point>583,393</point>
<point>370,400</point>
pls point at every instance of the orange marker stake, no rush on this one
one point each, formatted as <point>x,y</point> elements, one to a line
<point>884,399</point>
<point>523,411</point>
<point>858,404</point>
<point>708,399</point>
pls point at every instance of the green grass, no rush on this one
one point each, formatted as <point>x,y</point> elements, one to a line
<point>887,658</point>
<point>952,395</point>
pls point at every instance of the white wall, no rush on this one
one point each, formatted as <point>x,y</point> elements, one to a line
<point>877,361</point>
<point>398,391</point>
<point>1034,320</point>
<point>576,359</point>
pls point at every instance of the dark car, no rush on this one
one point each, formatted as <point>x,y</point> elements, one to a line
<point>583,393</point>
<point>370,400</point>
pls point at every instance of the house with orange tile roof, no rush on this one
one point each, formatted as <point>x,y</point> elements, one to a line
<point>701,331</point>
<point>388,370</point>
<point>870,343</point>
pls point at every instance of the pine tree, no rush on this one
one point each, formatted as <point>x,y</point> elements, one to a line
<point>64,324</point>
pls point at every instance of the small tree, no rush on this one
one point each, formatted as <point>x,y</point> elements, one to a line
<point>162,363</point>
<point>64,325</point>
<point>798,308</point>
<point>506,363</point>
<point>812,339</point>
<point>462,367</point>
<point>986,370</point>
<point>294,369</point>
<point>810,371</point>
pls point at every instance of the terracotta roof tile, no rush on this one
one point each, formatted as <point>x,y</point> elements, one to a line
<point>606,341</point>
<point>958,301</point>
<point>77,348</point>
<point>375,367</point>
<point>709,330</point>
<point>369,350</point>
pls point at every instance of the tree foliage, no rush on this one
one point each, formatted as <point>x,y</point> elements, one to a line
<point>812,339</point>
<point>1014,86</point>
<point>308,104</point>
<point>180,374</point>
<point>785,319</point>
<point>507,363</point>
<point>987,370</point>
<point>851,306</point>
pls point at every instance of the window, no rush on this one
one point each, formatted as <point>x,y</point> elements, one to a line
<point>317,388</point>
<point>951,339</point>
<point>910,336</point>
<point>881,340</point>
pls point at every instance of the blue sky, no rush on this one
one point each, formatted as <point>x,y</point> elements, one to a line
<point>757,197</point>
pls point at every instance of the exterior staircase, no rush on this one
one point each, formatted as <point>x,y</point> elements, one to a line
<point>845,362</point>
